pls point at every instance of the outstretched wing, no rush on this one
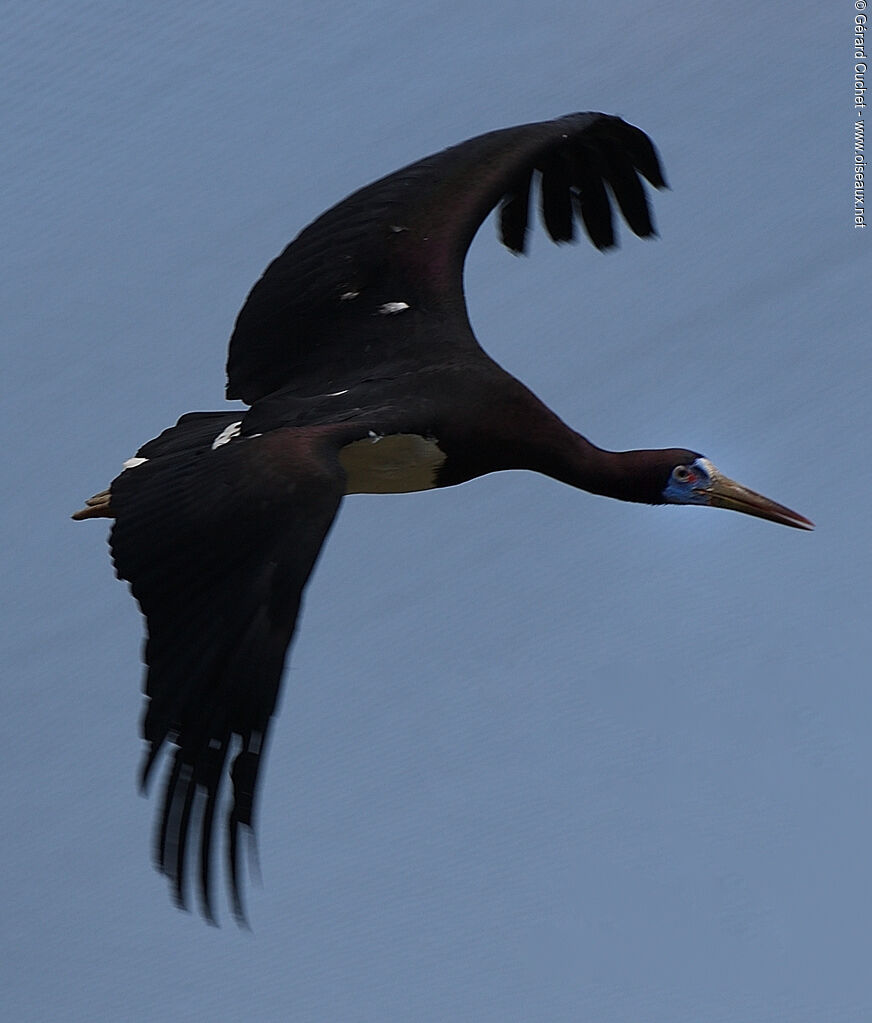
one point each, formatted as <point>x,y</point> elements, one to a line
<point>349,289</point>
<point>217,544</point>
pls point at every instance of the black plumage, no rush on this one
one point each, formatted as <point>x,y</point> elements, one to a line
<point>356,356</point>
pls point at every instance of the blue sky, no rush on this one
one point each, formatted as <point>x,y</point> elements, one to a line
<point>540,755</point>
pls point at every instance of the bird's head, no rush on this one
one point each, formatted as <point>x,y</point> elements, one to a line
<point>692,479</point>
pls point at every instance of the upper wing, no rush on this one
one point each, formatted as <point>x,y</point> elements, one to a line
<point>218,545</point>
<point>399,245</point>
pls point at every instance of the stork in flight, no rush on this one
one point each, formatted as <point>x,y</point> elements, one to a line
<point>355,354</point>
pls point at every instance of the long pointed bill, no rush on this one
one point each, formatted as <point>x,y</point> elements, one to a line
<point>723,492</point>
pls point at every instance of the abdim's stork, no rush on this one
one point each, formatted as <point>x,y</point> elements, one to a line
<point>355,353</point>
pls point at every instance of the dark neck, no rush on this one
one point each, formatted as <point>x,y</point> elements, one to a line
<point>558,451</point>
<point>519,431</point>
<point>625,475</point>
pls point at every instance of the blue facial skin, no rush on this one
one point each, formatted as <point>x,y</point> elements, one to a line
<point>688,484</point>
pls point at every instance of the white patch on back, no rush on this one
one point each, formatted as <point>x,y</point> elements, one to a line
<point>227,435</point>
<point>396,464</point>
<point>390,308</point>
<point>132,463</point>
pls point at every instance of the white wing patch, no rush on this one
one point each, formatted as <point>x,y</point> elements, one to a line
<point>227,435</point>
<point>132,463</point>
<point>391,308</point>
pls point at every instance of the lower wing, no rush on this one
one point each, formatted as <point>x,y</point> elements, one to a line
<point>217,542</point>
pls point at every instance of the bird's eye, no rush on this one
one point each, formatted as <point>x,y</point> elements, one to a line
<point>681,474</point>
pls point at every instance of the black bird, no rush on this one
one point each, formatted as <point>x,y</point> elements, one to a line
<point>357,358</point>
